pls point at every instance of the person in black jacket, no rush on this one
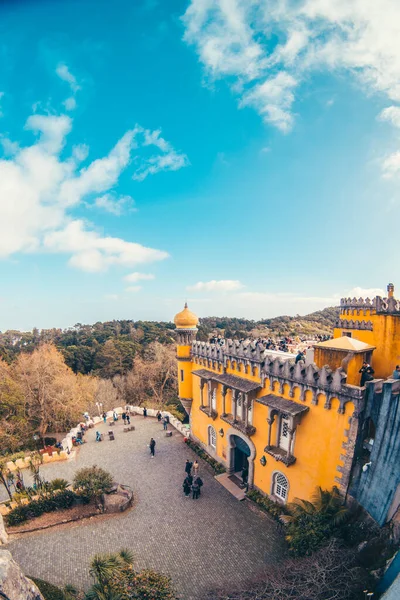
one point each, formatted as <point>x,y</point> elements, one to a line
<point>188,467</point>
<point>367,373</point>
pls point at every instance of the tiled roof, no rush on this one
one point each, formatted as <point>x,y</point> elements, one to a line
<point>282,405</point>
<point>232,381</point>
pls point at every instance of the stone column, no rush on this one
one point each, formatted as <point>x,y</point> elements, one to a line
<point>234,398</point>
<point>289,450</point>
<point>201,392</point>
<point>270,421</point>
<point>224,391</point>
<point>246,409</point>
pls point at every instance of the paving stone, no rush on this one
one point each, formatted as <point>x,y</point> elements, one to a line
<point>199,543</point>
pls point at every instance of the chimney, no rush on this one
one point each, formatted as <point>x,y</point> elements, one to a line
<point>390,290</point>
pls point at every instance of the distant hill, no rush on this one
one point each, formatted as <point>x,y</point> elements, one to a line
<point>108,349</point>
<point>319,322</point>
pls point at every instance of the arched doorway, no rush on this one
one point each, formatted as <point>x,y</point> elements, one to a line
<point>241,453</point>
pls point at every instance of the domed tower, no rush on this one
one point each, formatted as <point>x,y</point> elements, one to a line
<point>186,329</point>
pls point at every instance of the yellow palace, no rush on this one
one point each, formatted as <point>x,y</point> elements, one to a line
<point>294,426</point>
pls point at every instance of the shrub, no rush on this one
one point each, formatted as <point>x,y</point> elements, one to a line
<point>59,484</point>
<point>48,590</point>
<point>54,501</point>
<point>92,482</point>
<point>215,465</point>
<point>266,504</point>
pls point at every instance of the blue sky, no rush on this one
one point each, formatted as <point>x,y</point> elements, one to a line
<point>241,155</point>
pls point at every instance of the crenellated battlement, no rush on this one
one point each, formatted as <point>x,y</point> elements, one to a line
<point>252,358</point>
<point>350,324</point>
<point>377,305</point>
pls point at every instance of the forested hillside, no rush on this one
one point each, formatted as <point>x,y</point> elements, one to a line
<point>108,349</point>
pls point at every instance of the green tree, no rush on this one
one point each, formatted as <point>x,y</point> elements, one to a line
<point>93,482</point>
<point>309,524</point>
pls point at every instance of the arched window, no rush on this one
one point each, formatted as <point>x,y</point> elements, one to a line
<point>280,486</point>
<point>212,437</point>
<point>214,399</point>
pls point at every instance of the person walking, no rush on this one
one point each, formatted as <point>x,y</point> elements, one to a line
<point>158,416</point>
<point>104,417</point>
<point>188,467</point>
<point>165,423</point>
<point>152,446</point>
<point>124,418</point>
<point>196,467</point>
<point>145,412</point>
<point>195,490</point>
<point>186,488</point>
<point>128,419</point>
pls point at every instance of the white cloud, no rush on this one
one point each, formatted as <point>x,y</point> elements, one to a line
<point>223,285</point>
<point>168,160</point>
<point>391,114</point>
<point>93,253</point>
<point>70,103</point>
<point>115,205</point>
<point>254,43</point>
<point>65,74</point>
<point>359,292</point>
<point>391,165</point>
<point>111,296</point>
<point>133,288</point>
<point>39,189</point>
<point>133,277</point>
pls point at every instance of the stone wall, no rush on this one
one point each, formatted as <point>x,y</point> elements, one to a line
<point>13,582</point>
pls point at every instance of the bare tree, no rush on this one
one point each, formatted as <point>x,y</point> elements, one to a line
<point>331,573</point>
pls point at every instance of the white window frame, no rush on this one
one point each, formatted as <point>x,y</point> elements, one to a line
<point>212,437</point>
<point>284,440</point>
<point>280,489</point>
<point>214,399</point>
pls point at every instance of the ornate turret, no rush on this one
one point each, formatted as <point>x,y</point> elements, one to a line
<point>186,329</point>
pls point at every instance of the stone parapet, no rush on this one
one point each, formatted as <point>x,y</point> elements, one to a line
<point>377,305</point>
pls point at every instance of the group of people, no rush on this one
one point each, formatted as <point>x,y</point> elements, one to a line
<point>164,419</point>
<point>192,482</point>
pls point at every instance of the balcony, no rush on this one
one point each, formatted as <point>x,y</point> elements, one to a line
<point>248,430</point>
<point>280,455</point>
<point>210,412</point>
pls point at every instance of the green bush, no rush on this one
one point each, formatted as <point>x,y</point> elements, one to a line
<point>92,482</point>
<point>215,465</point>
<point>48,590</point>
<point>266,504</point>
<point>54,501</point>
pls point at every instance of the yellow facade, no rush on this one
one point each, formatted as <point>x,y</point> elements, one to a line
<point>293,426</point>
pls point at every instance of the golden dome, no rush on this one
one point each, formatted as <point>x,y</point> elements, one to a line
<point>186,319</point>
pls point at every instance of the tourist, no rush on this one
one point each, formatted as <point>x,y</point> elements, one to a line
<point>188,467</point>
<point>196,467</point>
<point>145,412</point>
<point>186,488</point>
<point>128,419</point>
<point>98,436</point>
<point>104,417</point>
<point>152,446</point>
<point>189,479</point>
<point>195,490</point>
<point>124,418</point>
<point>396,372</point>
<point>367,373</point>
<point>115,416</point>
<point>199,482</point>
<point>158,416</point>
<point>300,356</point>
<point>165,423</point>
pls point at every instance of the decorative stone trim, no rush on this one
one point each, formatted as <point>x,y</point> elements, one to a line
<point>350,324</point>
<point>284,371</point>
<point>378,305</point>
<point>239,425</point>
<point>210,412</point>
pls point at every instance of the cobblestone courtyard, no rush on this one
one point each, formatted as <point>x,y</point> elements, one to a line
<point>198,543</point>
